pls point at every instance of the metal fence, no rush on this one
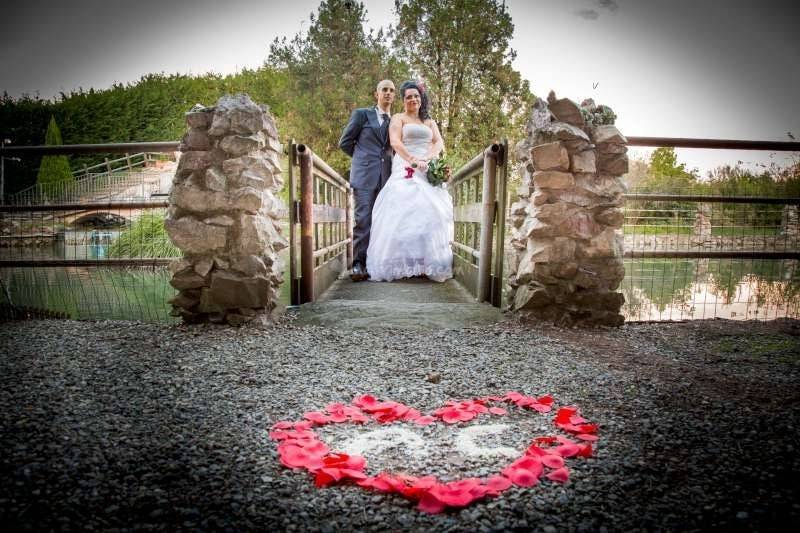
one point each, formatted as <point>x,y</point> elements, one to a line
<point>86,261</point>
<point>694,257</point>
<point>708,252</point>
<point>691,255</point>
<point>91,248</point>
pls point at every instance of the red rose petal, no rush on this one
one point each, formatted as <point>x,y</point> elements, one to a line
<point>430,504</point>
<point>528,462</point>
<point>425,420</point>
<point>425,482</point>
<point>498,483</point>
<point>587,428</point>
<point>338,417</point>
<point>353,474</point>
<point>560,476</point>
<point>317,417</point>
<point>546,399</point>
<point>323,479</point>
<point>453,497</point>
<point>451,417</point>
<point>563,415</point>
<point>553,461</point>
<point>587,437</point>
<point>521,477</point>
<point>335,473</point>
<point>535,451</point>
<point>567,450</point>
<point>498,411</point>
<point>586,450</point>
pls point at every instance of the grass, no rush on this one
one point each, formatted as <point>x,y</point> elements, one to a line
<point>756,347</point>
<point>744,231</point>
<point>147,237</point>
<point>717,231</point>
<point>634,229</point>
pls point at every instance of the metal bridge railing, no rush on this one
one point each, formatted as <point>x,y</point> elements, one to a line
<point>97,183</point>
<point>479,195</point>
<point>323,212</point>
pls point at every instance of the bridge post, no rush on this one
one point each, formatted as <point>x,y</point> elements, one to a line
<point>306,225</point>
<point>224,213</point>
<point>567,261</point>
<point>349,226</point>
<point>484,292</point>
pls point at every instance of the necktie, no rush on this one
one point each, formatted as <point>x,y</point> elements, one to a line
<point>384,125</point>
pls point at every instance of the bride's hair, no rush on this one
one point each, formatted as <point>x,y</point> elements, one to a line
<point>423,97</point>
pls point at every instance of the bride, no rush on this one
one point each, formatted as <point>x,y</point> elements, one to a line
<point>412,221</point>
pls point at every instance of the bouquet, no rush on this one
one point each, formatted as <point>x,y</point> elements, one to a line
<point>438,171</point>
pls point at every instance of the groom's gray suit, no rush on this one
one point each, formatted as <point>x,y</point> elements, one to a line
<point>367,142</point>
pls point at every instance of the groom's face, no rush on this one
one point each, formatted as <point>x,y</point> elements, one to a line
<point>384,94</point>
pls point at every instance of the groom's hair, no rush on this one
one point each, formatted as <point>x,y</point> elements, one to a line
<point>423,97</point>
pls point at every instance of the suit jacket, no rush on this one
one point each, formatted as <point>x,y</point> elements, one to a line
<point>364,141</point>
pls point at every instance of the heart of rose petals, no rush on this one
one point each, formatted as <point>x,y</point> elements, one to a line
<point>300,448</point>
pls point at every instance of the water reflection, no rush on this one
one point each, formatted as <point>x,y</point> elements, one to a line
<point>70,244</point>
<point>654,289</point>
<point>739,289</point>
<point>133,293</point>
<point>125,293</point>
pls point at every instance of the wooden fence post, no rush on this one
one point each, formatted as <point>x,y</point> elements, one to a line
<point>487,222</point>
<point>349,225</point>
<point>306,224</point>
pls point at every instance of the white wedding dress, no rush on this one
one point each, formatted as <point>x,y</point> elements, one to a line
<point>412,221</point>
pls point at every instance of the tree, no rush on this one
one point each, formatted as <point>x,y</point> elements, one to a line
<point>54,168</point>
<point>331,70</point>
<point>461,51</point>
<point>666,175</point>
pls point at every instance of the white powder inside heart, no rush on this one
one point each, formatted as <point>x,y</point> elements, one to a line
<point>447,451</point>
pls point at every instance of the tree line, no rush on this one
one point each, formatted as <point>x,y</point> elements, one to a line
<point>311,83</point>
<point>662,173</point>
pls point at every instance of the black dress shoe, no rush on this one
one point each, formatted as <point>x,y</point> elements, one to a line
<point>358,273</point>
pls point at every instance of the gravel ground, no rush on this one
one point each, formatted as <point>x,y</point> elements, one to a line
<point>114,425</point>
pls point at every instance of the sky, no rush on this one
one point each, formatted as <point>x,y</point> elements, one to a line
<point>677,68</point>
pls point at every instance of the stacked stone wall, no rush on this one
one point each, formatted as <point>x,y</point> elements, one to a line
<point>224,213</point>
<point>566,263</point>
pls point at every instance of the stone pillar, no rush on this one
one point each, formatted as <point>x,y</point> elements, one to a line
<point>790,221</point>
<point>224,215</point>
<point>566,263</point>
<point>701,234</point>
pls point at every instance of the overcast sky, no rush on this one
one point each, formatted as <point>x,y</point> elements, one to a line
<point>679,68</point>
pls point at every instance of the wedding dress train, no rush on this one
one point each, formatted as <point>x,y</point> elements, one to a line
<point>412,221</point>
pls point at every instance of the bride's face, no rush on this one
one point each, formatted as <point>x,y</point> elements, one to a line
<point>411,101</point>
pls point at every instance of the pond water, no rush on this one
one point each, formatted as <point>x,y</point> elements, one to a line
<point>654,289</point>
<point>738,289</point>
<point>125,293</point>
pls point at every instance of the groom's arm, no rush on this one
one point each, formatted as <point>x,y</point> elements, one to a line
<point>351,132</point>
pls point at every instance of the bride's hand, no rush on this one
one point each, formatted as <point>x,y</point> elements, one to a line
<point>422,165</point>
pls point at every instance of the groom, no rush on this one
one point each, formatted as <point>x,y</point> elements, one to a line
<point>366,140</point>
